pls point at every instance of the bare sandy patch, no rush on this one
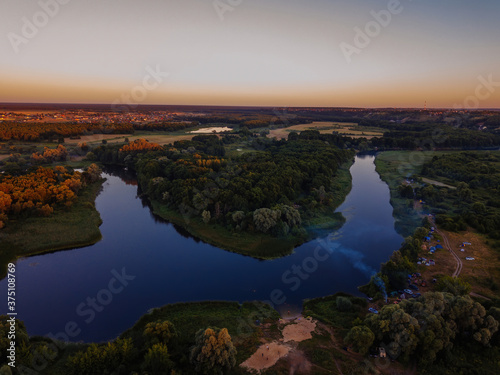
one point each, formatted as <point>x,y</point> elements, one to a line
<point>217,129</point>
<point>266,356</point>
<point>300,330</point>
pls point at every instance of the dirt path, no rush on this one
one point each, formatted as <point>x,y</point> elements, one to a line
<point>336,345</point>
<point>479,295</point>
<point>437,183</point>
<point>447,245</point>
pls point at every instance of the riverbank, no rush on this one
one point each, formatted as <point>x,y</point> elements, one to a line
<point>245,323</point>
<point>260,245</point>
<point>64,229</point>
<point>394,167</point>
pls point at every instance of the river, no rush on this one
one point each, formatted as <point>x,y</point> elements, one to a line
<point>97,292</point>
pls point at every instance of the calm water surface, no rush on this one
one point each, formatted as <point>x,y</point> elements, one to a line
<point>166,266</point>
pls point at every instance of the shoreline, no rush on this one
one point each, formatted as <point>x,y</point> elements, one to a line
<point>256,245</point>
<point>14,247</point>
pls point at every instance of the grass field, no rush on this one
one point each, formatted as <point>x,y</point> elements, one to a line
<point>64,229</point>
<point>160,137</point>
<point>483,273</point>
<point>156,137</point>
<point>347,129</point>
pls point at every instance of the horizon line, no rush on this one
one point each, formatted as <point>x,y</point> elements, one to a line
<point>137,106</point>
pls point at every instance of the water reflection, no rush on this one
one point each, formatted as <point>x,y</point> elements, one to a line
<point>169,266</point>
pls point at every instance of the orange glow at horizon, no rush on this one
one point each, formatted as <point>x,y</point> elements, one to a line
<point>280,53</point>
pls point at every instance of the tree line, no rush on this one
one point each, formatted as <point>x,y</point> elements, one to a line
<point>269,191</point>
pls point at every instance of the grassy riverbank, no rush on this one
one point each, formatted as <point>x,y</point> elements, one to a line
<point>257,245</point>
<point>394,167</point>
<point>260,245</point>
<point>188,319</point>
<point>64,229</point>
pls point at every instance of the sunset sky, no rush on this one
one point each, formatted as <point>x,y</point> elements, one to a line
<point>260,52</point>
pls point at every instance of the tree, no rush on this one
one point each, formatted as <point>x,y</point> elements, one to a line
<point>159,332</point>
<point>206,216</point>
<point>453,285</point>
<point>93,173</point>
<point>100,359</point>
<point>265,218</point>
<point>361,338</point>
<point>157,360</point>
<point>290,215</point>
<point>213,352</point>
<point>394,325</point>
<point>238,216</point>
<point>343,304</point>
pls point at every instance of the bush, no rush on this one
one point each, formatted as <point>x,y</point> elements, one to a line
<point>343,304</point>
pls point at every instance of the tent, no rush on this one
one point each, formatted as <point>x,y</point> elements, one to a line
<point>439,247</point>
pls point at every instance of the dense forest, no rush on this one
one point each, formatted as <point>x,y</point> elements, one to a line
<point>476,200</point>
<point>35,132</point>
<point>270,190</point>
<point>40,191</point>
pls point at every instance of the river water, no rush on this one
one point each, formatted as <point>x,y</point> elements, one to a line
<point>97,292</point>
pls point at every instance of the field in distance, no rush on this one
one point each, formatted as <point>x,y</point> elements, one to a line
<point>326,127</point>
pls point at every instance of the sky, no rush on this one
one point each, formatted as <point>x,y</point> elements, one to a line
<point>350,53</point>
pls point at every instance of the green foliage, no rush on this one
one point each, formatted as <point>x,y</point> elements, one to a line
<point>159,332</point>
<point>21,336</point>
<point>343,304</point>
<point>213,352</point>
<point>100,359</point>
<point>270,191</point>
<point>393,325</point>
<point>476,200</point>
<point>453,285</point>
<point>157,360</point>
<point>428,327</point>
<point>360,338</point>
<point>206,216</point>
<point>265,219</point>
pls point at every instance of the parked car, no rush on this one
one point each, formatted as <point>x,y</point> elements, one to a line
<point>372,310</point>
<point>413,286</point>
<point>469,258</point>
<point>408,291</point>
